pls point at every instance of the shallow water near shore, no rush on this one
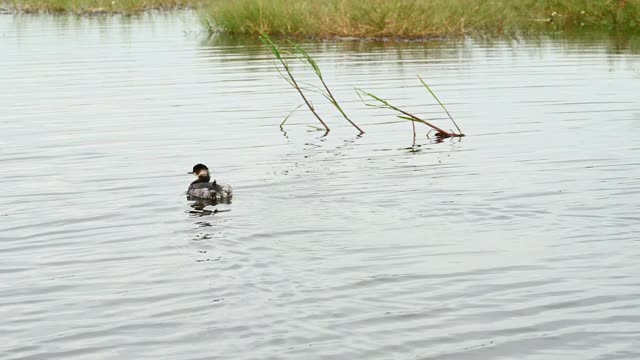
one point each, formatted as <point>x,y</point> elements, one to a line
<point>517,241</point>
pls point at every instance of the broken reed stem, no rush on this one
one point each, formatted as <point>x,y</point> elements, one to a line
<point>328,95</point>
<point>413,125</point>
<point>306,101</point>
<point>274,49</point>
<point>306,58</point>
<point>440,102</point>
<point>288,116</point>
<point>335,103</point>
<point>406,115</point>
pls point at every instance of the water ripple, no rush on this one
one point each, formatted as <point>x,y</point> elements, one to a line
<point>518,241</point>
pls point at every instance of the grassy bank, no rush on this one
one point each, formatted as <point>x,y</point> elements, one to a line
<point>374,18</point>
<point>416,19</point>
<point>97,6</point>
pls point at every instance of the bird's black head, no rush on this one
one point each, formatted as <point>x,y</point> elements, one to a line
<point>198,168</point>
<point>202,172</point>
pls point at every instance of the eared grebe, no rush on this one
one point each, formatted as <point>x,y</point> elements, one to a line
<point>204,189</point>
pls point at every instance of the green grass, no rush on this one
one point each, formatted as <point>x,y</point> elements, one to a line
<point>375,18</point>
<point>98,6</point>
<point>417,18</point>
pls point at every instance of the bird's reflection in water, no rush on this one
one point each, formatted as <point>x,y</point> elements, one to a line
<point>199,206</point>
<point>204,241</point>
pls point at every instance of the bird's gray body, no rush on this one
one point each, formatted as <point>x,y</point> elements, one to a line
<point>210,190</point>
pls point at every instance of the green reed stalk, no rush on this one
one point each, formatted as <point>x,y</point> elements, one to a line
<point>288,116</point>
<point>290,79</point>
<point>384,104</point>
<point>441,104</point>
<point>306,58</point>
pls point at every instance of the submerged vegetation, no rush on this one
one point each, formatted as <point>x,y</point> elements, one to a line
<point>417,19</point>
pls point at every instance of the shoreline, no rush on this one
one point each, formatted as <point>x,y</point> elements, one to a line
<point>377,21</point>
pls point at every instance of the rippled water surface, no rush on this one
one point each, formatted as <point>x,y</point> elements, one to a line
<point>518,242</point>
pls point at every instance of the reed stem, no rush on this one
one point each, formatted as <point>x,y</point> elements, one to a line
<point>440,102</point>
<point>405,114</point>
<point>291,79</point>
<point>306,58</point>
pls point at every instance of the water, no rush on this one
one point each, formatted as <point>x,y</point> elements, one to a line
<point>518,242</point>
